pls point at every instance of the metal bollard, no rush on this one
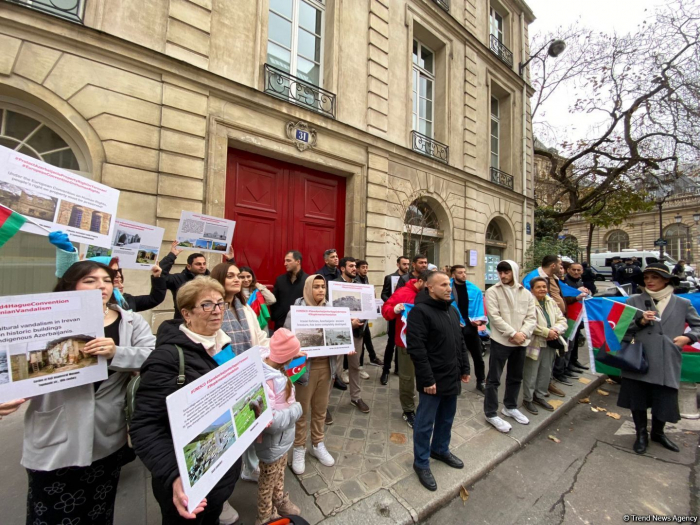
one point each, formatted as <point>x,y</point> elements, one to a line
<point>688,401</point>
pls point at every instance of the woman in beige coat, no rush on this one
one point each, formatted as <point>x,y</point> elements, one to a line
<point>537,373</point>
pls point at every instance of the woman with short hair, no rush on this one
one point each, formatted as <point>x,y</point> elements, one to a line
<point>662,342</point>
<point>203,343</point>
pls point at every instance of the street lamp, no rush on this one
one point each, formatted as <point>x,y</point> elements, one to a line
<point>556,48</point>
<point>678,219</point>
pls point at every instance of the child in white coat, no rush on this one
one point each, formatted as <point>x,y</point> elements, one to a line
<point>276,440</point>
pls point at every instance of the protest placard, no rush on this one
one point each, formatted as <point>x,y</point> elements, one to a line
<point>322,330</point>
<point>135,244</point>
<point>57,199</point>
<point>214,420</point>
<point>394,282</point>
<point>42,338</point>
<point>204,233</point>
<point>358,298</point>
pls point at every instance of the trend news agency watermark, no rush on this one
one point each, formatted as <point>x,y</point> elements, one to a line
<point>656,518</point>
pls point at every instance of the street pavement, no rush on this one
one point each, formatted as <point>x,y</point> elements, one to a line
<point>372,481</point>
<point>591,476</point>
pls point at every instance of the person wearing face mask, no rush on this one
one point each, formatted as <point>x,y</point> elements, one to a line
<point>80,433</point>
<point>249,284</point>
<point>204,346</point>
<point>313,392</point>
<point>662,342</point>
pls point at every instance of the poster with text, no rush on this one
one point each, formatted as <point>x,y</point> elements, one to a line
<point>215,419</point>
<point>203,233</point>
<point>322,330</point>
<point>42,338</point>
<point>57,199</point>
<point>358,298</point>
<point>135,244</point>
<point>394,282</point>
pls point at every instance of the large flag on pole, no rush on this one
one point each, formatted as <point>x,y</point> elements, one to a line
<point>574,315</point>
<point>257,302</point>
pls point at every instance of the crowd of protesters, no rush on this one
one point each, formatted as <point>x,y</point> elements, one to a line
<point>434,317</point>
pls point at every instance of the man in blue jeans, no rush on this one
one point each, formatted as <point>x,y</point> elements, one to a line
<point>436,346</point>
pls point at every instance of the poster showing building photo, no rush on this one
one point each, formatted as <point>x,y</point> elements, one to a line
<point>135,244</point>
<point>358,298</point>
<point>57,199</point>
<point>214,419</point>
<point>208,446</point>
<point>42,342</point>
<point>204,233</point>
<point>322,330</point>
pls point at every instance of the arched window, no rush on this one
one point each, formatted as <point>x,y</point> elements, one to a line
<point>679,244</point>
<point>422,232</point>
<point>618,241</point>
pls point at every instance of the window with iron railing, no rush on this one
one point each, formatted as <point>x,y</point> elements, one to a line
<point>72,10</point>
<point>497,38</point>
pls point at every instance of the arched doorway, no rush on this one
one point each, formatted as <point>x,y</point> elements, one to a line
<point>422,233</point>
<point>498,246</point>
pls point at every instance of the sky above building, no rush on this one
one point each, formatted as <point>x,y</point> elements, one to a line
<point>621,16</point>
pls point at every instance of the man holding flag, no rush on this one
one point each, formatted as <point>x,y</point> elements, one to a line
<point>396,309</point>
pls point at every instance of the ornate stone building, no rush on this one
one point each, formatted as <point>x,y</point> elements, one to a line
<point>312,123</point>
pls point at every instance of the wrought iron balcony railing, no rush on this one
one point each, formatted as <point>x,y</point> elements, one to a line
<point>72,10</point>
<point>501,51</point>
<point>294,90</point>
<point>445,4</point>
<point>432,148</point>
<point>501,178</point>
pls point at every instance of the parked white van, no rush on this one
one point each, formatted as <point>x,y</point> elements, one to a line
<point>602,262</point>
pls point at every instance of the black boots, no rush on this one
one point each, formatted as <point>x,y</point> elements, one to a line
<point>640,424</point>
<point>657,434</point>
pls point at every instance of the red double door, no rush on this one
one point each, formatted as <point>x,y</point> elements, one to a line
<point>280,207</point>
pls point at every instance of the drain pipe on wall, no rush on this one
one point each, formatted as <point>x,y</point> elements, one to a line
<point>524,103</point>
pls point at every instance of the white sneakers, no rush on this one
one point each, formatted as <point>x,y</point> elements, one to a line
<point>322,455</point>
<point>250,476</point>
<point>515,414</point>
<point>345,376</point>
<point>228,515</point>
<point>363,374</point>
<point>299,460</point>
<point>501,426</point>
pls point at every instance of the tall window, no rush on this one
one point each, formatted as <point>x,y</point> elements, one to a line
<point>295,34</point>
<point>618,241</point>
<point>495,133</point>
<point>423,88</point>
<point>422,232</point>
<point>496,24</point>
<point>679,243</point>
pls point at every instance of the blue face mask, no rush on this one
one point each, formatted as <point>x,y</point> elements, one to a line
<point>225,355</point>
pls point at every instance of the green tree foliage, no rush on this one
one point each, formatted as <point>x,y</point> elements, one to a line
<point>546,246</point>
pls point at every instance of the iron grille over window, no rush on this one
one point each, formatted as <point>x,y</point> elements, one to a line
<point>294,90</point>
<point>501,178</point>
<point>501,51</point>
<point>445,4</point>
<point>72,10</point>
<point>431,148</point>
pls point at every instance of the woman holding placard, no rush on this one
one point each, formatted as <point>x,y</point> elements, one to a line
<point>205,346</point>
<point>75,439</point>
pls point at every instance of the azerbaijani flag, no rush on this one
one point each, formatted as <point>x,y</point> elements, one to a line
<point>574,314</point>
<point>257,302</point>
<point>296,368</point>
<point>404,318</point>
<point>10,223</point>
<point>608,322</point>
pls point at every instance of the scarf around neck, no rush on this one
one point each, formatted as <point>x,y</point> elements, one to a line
<point>661,298</point>
<point>236,327</point>
<point>211,343</point>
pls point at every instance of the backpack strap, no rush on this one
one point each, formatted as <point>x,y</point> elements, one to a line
<point>181,368</point>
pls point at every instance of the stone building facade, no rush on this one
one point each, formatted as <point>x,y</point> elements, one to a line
<point>312,123</point>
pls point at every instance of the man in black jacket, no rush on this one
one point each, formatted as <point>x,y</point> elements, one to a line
<point>626,274</point>
<point>388,289</point>
<point>196,265</point>
<point>362,278</point>
<point>288,287</point>
<point>330,270</point>
<point>419,264</point>
<point>588,278</point>
<point>438,352</point>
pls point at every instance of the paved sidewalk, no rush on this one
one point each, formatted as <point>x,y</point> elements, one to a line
<point>372,481</point>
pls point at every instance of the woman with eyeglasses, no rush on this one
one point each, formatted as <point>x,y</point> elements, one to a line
<point>249,284</point>
<point>205,346</point>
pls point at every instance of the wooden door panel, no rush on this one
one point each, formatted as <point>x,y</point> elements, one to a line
<point>255,245</point>
<point>257,189</point>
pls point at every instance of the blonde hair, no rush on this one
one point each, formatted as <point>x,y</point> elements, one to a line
<point>188,294</point>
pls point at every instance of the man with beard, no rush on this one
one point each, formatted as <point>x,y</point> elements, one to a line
<point>196,265</point>
<point>288,287</point>
<point>436,347</point>
<point>419,264</point>
<point>469,301</point>
<point>402,269</point>
<point>330,270</point>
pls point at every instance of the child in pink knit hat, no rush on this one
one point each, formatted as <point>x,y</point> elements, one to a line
<point>278,438</point>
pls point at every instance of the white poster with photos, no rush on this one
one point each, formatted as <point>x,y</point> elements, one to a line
<point>57,199</point>
<point>214,420</point>
<point>358,298</point>
<point>204,233</point>
<point>322,330</point>
<point>135,244</point>
<point>42,338</point>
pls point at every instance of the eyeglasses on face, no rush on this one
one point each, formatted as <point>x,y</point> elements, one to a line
<point>209,307</point>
